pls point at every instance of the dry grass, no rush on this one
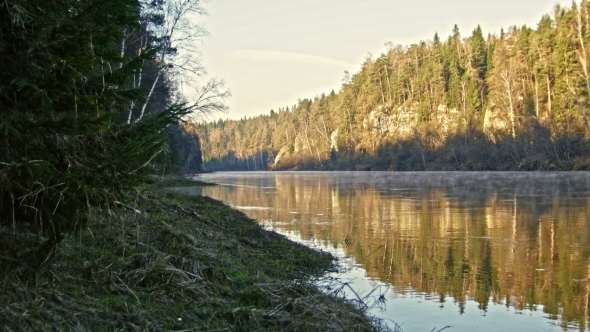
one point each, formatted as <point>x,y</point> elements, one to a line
<point>184,263</point>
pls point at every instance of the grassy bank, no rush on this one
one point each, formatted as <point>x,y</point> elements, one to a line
<point>183,263</point>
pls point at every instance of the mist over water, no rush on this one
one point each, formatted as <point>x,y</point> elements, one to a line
<point>476,251</point>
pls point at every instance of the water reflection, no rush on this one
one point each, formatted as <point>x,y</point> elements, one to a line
<point>517,240</point>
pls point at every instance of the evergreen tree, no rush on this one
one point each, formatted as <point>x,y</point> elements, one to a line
<point>454,70</point>
<point>478,54</point>
<point>565,63</point>
<point>63,85</point>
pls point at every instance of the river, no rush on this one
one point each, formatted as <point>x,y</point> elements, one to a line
<point>479,251</point>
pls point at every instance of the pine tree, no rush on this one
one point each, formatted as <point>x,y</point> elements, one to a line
<point>454,70</point>
<point>565,63</point>
<point>478,53</point>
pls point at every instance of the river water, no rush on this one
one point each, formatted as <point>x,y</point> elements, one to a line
<point>473,250</point>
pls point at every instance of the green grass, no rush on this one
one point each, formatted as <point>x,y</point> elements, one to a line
<point>185,263</point>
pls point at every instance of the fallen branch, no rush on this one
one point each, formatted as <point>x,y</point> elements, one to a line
<point>128,207</point>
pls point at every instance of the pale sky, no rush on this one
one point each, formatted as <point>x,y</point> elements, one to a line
<point>273,52</point>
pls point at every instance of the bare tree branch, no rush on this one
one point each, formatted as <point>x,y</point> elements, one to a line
<point>178,58</point>
<point>209,99</point>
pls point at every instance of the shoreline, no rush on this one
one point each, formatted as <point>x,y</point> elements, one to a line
<point>183,263</point>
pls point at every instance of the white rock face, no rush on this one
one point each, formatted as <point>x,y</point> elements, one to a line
<point>279,155</point>
<point>334,140</point>
<point>401,123</point>
<point>495,122</point>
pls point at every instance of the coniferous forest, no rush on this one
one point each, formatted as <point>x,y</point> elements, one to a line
<point>90,105</point>
<point>514,100</point>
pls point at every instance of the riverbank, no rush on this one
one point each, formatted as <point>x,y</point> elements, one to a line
<point>174,263</point>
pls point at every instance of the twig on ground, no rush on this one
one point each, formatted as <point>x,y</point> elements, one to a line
<point>128,207</point>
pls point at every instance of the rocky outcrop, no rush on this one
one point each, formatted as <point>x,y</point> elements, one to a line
<point>283,150</point>
<point>402,122</point>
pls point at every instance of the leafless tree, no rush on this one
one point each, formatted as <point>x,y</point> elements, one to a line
<point>209,99</point>
<point>178,58</point>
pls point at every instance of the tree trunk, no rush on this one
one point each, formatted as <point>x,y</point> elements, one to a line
<point>549,110</point>
<point>388,84</point>
<point>139,79</point>
<point>122,50</point>
<point>506,80</point>
<point>464,100</point>
<point>583,61</point>
<point>536,98</point>
<point>381,88</point>
<point>149,95</point>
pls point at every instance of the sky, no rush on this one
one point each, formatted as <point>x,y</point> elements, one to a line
<point>273,52</point>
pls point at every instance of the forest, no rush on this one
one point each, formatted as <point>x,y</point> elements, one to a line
<point>513,100</point>
<point>91,106</point>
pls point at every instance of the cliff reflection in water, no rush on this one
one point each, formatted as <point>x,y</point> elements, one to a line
<point>514,239</point>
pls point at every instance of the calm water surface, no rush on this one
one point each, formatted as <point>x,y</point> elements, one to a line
<point>476,251</point>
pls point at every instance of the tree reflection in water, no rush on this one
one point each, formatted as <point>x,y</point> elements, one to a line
<point>517,239</point>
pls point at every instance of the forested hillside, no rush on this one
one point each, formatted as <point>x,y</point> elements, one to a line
<point>517,100</point>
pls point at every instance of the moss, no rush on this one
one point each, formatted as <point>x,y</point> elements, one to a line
<point>183,263</point>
